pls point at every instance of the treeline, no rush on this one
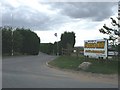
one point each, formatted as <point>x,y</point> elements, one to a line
<point>50,48</point>
<point>67,42</point>
<point>47,48</point>
<point>117,48</point>
<point>19,41</point>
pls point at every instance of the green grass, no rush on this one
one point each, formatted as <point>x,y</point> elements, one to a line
<point>98,66</point>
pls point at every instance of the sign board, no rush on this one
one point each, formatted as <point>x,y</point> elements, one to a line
<point>96,48</point>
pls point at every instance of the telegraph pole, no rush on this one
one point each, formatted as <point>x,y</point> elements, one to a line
<point>12,34</point>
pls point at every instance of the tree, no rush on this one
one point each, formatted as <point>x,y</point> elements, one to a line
<point>118,49</point>
<point>47,48</point>
<point>17,41</point>
<point>6,40</point>
<point>30,43</point>
<point>68,40</point>
<point>59,48</point>
<point>112,32</point>
<point>22,41</point>
<point>109,31</point>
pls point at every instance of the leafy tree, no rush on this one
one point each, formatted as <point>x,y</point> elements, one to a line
<point>59,48</point>
<point>118,49</point>
<point>22,41</point>
<point>31,41</point>
<point>17,41</point>
<point>47,48</point>
<point>68,40</point>
<point>6,40</point>
<point>112,32</point>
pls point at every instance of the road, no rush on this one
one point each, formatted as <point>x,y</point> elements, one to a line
<point>32,72</point>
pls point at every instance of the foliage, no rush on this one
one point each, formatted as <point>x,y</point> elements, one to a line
<point>22,41</point>
<point>50,48</point>
<point>59,48</point>
<point>7,40</point>
<point>47,48</point>
<point>68,40</point>
<point>112,32</point>
<point>30,43</point>
<point>17,41</point>
<point>118,49</point>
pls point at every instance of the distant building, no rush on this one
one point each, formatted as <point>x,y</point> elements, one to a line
<point>78,50</point>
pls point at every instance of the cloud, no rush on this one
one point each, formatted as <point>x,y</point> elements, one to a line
<point>51,16</point>
<point>36,17</point>
<point>97,11</point>
<point>23,16</point>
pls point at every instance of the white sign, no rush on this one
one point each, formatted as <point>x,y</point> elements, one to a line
<point>95,48</point>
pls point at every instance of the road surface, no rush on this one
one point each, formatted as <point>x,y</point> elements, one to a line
<point>32,72</point>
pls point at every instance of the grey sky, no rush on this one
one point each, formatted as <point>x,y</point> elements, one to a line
<point>97,11</point>
<point>58,14</point>
<point>47,18</point>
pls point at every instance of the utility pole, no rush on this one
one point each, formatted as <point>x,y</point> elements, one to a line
<point>12,35</point>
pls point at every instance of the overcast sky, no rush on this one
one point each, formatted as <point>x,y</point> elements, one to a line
<point>47,18</point>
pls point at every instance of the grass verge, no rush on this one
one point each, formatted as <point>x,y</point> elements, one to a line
<point>98,66</point>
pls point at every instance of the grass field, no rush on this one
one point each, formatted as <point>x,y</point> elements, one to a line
<point>98,66</point>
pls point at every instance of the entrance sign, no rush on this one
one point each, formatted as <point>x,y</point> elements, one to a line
<point>96,48</point>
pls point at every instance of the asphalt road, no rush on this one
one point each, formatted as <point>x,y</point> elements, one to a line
<point>32,72</point>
